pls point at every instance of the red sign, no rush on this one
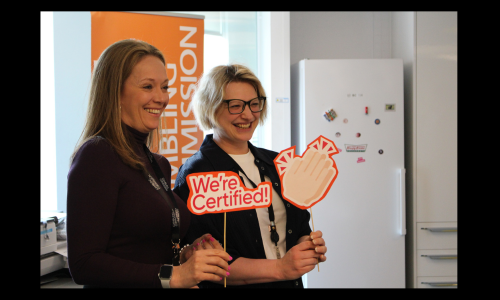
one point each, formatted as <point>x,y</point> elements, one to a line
<point>216,192</point>
<point>306,179</point>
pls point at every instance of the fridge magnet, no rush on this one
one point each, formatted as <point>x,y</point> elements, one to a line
<point>380,151</point>
<point>330,115</point>
<point>345,121</point>
<point>366,110</point>
<point>360,160</point>
<point>356,148</point>
<point>390,107</point>
<point>358,134</point>
<point>337,134</point>
<point>377,121</point>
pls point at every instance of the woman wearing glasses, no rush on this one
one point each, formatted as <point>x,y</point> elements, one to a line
<point>271,247</point>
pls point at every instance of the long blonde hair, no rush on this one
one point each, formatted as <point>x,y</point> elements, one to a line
<point>103,113</point>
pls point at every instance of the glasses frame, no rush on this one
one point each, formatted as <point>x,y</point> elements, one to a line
<point>245,103</point>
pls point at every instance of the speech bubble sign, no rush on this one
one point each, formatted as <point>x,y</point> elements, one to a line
<point>306,179</point>
<point>216,192</point>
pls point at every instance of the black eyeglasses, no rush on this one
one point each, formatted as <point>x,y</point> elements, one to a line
<point>237,106</point>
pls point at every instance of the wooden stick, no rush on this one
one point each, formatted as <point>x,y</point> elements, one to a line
<point>312,220</point>
<point>224,242</point>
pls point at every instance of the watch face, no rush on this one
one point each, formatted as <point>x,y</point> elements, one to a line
<point>166,272</point>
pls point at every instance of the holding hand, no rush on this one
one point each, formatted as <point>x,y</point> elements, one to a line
<point>303,257</point>
<point>206,241</point>
<point>204,261</point>
<point>317,238</point>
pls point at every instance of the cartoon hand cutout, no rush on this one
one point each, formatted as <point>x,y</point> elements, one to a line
<point>306,180</point>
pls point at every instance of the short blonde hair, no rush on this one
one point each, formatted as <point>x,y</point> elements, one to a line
<point>207,99</point>
<point>113,67</point>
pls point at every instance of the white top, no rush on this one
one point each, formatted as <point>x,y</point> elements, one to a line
<point>246,162</point>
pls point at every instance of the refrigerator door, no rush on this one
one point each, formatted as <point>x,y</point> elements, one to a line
<point>362,217</point>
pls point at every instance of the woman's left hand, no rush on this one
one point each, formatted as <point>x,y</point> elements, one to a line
<point>206,241</point>
<point>317,238</point>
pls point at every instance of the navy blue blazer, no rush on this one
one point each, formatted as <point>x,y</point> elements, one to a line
<point>243,236</point>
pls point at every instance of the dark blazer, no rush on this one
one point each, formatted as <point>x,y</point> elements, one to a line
<point>243,237</point>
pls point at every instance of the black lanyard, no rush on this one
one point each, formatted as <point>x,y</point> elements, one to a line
<point>170,200</point>
<point>274,234</point>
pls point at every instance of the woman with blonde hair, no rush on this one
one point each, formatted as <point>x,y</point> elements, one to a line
<point>125,226</point>
<point>271,247</point>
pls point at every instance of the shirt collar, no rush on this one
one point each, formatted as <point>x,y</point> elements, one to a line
<point>220,160</point>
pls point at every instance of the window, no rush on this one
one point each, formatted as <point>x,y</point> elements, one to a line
<point>231,37</point>
<point>48,183</point>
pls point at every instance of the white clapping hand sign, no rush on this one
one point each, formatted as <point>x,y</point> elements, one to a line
<point>306,180</point>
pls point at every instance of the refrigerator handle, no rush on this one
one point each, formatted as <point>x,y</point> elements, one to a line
<point>402,202</point>
<point>441,229</point>
<point>442,283</point>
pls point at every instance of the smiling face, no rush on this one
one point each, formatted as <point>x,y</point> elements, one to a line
<point>234,131</point>
<point>145,95</point>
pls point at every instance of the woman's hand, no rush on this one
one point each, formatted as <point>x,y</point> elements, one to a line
<point>206,264</point>
<point>206,241</point>
<point>303,257</point>
<point>317,238</point>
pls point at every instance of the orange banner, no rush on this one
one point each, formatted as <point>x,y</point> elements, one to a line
<point>181,42</point>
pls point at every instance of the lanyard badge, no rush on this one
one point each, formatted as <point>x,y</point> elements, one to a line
<point>272,228</point>
<point>171,203</point>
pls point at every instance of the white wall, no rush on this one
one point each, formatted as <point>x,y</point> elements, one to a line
<point>403,46</point>
<point>274,73</point>
<point>339,35</point>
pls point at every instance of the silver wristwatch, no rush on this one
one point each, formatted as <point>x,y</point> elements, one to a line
<point>165,275</point>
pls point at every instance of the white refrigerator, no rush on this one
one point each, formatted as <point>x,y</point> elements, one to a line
<point>358,104</point>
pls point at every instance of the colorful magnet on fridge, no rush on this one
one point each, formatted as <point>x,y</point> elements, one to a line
<point>390,107</point>
<point>366,110</point>
<point>360,160</point>
<point>380,151</point>
<point>337,134</point>
<point>345,121</point>
<point>356,148</point>
<point>377,121</point>
<point>358,134</point>
<point>330,115</point>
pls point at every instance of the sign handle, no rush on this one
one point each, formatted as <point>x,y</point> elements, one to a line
<point>312,220</point>
<point>224,242</point>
